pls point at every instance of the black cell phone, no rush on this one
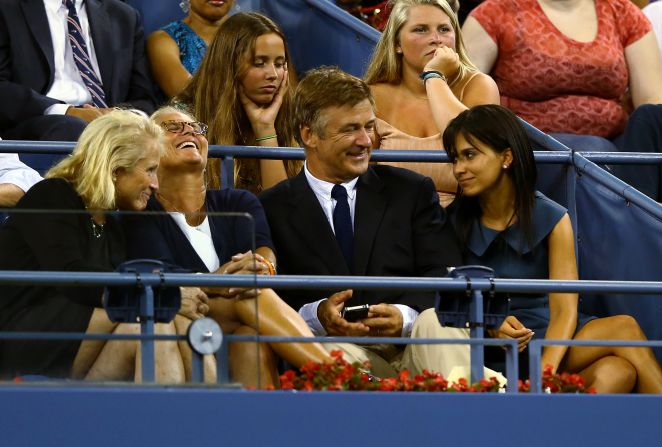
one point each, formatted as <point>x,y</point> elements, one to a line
<point>355,313</point>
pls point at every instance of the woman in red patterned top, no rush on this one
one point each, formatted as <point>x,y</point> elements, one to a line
<point>574,66</point>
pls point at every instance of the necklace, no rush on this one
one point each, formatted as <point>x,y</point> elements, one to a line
<point>197,214</point>
<point>97,228</point>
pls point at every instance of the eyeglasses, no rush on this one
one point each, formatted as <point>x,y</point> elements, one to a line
<point>179,126</point>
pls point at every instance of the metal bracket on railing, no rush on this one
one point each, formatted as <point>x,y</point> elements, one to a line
<point>473,311</point>
<point>147,328</point>
<point>205,337</point>
<point>145,304</point>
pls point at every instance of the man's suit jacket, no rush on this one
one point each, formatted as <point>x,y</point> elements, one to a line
<point>26,57</point>
<point>399,230</point>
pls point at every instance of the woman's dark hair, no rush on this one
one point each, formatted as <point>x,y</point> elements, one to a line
<point>500,129</point>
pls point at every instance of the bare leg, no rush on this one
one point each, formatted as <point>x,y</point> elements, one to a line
<point>274,317</point>
<point>244,358</point>
<point>89,349</point>
<point>120,359</point>
<point>621,327</point>
<point>209,361</point>
<point>610,374</point>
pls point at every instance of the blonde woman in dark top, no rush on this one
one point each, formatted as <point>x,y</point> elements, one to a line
<point>113,166</point>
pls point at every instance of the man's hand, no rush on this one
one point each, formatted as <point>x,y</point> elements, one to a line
<point>329,314</point>
<point>513,328</point>
<point>87,112</point>
<point>384,320</point>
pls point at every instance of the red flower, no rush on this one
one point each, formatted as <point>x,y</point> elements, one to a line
<point>341,375</point>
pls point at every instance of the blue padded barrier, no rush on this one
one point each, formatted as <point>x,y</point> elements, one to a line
<point>41,155</point>
<point>156,14</point>
<point>41,162</point>
<point>137,416</point>
<point>320,33</point>
<point>619,240</point>
<point>618,232</point>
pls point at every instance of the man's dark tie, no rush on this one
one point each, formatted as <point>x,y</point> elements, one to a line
<point>82,56</point>
<point>342,224</point>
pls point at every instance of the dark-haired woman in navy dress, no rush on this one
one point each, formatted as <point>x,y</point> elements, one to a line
<point>507,225</point>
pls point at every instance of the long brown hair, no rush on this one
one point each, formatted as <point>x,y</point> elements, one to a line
<point>212,95</point>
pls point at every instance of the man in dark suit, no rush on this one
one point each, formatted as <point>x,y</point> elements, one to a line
<point>42,92</point>
<point>388,222</point>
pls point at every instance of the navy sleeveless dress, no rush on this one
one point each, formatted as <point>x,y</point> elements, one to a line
<point>511,257</point>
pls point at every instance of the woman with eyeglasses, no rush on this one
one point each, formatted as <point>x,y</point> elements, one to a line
<point>191,236</point>
<point>67,225</point>
<point>241,90</point>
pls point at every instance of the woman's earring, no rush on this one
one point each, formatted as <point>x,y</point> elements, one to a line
<point>114,178</point>
<point>505,166</point>
<point>185,5</point>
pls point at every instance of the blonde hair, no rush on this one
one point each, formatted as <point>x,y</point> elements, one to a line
<point>386,64</point>
<point>112,141</point>
<point>212,95</point>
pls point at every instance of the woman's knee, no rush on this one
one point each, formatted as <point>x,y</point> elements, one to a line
<point>618,371</point>
<point>624,371</point>
<point>626,327</point>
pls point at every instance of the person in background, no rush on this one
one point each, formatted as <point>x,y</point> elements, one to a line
<point>376,12</point>
<point>421,78</point>
<point>241,91</point>
<point>66,63</point>
<point>113,166</point>
<point>571,68</point>
<point>194,236</point>
<point>345,216</point>
<point>15,179</point>
<point>176,51</point>
<point>505,224</point>
<point>654,13</point>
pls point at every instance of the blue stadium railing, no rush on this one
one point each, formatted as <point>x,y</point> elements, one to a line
<point>149,280</point>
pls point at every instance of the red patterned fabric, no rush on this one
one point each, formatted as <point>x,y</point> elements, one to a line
<point>554,82</point>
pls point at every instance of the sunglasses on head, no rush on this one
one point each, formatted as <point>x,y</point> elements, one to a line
<point>179,126</point>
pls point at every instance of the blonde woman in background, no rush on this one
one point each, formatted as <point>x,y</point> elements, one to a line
<point>423,37</point>
<point>112,167</point>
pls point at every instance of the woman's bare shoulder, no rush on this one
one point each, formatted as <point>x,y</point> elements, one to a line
<point>385,95</point>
